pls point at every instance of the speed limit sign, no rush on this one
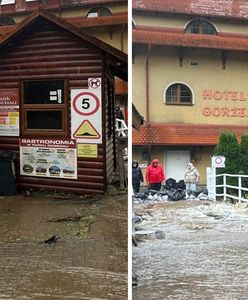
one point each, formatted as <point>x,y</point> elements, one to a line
<point>86,103</point>
<point>86,115</point>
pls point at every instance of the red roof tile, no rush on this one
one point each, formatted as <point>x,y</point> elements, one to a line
<point>183,134</point>
<point>121,87</point>
<point>218,8</point>
<point>168,38</point>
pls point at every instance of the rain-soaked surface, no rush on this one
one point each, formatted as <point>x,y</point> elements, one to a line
<point>203,253</point>
<point>89,261</point>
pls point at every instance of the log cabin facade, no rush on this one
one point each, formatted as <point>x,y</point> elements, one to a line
<point>43,53</point>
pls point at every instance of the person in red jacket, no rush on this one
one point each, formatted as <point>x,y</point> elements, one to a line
<point>155,175</point>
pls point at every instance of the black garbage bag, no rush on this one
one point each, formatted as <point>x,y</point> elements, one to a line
<point>181,185</point>
<point>170,183</point>
<point>163,193</point>
<point>196,193</point>
<point>174,195</point>
<point>153,192</point>
<point>140,195</point>
<point>7,155</point>
<point>205,191</point>
<point>7,173</point>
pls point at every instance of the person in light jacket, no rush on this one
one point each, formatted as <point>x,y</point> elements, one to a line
<point>155,175</point>
<point>191,178</point>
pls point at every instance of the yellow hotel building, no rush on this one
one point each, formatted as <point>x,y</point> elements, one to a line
<point>190,75</point>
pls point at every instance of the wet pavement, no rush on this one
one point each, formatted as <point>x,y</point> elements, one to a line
<point>203,254</point>
<point>89,261</point>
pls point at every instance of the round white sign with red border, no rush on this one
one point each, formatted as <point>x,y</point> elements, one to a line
<point>218,161</point>
<point>86,103</point>
<point>94,83</point>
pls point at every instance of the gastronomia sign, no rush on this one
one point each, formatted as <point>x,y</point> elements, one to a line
<point>48,158</point>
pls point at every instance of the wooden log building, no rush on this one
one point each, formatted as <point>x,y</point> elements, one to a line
<point>42,57</point>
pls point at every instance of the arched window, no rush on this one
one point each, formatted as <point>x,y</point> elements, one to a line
<point>178,93</point>
<point>201,27</point>
<point>99,11</point>
<point>5,21</point>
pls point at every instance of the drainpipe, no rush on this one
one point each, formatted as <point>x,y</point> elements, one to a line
<point>147,84</point>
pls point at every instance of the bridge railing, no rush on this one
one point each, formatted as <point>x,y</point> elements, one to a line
<point>240,189</point>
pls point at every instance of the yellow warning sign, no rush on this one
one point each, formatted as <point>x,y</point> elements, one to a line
<point>86,131</point>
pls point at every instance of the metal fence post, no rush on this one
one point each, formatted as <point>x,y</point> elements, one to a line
<point>240,188</point>
<point>224,186</point>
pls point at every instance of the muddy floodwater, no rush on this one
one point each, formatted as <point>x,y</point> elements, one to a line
<point>88,261</point>
<point>202,253</point>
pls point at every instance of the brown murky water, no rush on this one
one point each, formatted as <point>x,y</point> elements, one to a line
<point>203,255</point>
<point>89,261</point>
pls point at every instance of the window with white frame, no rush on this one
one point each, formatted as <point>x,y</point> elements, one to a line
<point>201,27</point>
<point>179,94</point>
<point>99,11</point>
<point>5,2</point>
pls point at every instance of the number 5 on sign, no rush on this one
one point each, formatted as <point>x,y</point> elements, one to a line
<point>86,103</point>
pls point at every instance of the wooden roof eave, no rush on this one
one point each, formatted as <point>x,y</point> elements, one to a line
<point>99,21</point>
<point>190,46</point>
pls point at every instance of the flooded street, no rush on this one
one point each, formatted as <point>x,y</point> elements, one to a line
<point>89,261</point>
<point>202,253</point>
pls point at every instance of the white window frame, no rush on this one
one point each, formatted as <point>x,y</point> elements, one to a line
<point>179,82</point>
<point>95,15</point>
<point>202,20</point>
<point>7,2</point>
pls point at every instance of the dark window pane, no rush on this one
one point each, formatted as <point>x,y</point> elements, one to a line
<point>171,93</point>
<point>5,21</point>
<point>44,120</point>
<point>44,92</point>
<point>207,28</point>
<point>193,27</point>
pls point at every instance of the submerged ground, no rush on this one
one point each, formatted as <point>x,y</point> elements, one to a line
<point>89,261</point>
<point>202,253</point>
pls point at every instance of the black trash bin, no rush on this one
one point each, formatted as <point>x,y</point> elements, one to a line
<point>7,173</point>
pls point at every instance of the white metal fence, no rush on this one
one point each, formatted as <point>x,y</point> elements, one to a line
<point>240,189</point>
<point>121,128</point>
